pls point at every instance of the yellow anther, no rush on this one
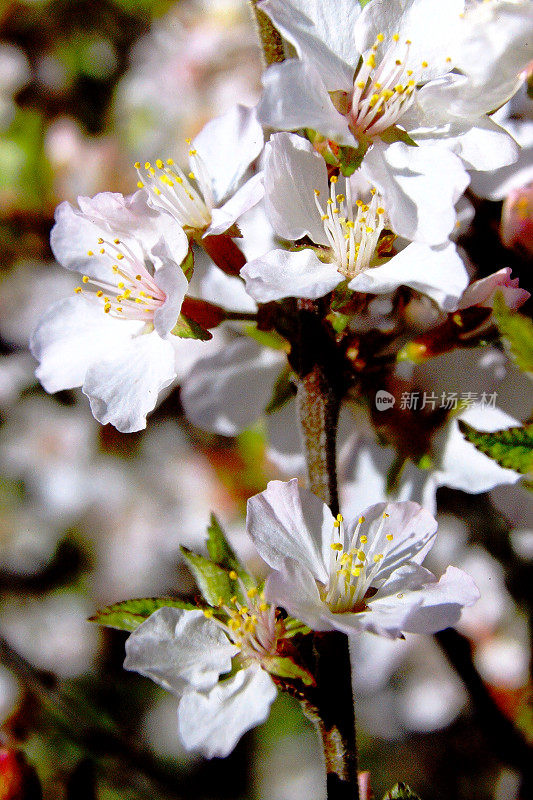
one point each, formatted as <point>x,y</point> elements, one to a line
<point>119,308</point>
<point>371,62</point>
<point>396,37</point>
<point>379,37</point>
<point>120,256</point>
<point>336,546</point>
<point>345,558</point>
<point>78,290</point>
<point>90,253</point>
<point>99,293</point>
<point>317,192</point>
<point>385,515</point>
<point>361,520</point>
<point>243,611</point>
<point>120,285</point>
<point>343,572</point>
<point>263,606</point>
<point>138,300</point>
<point>159,164</point>
<point>252,592</point>
<point>380,210</point>
<point>398,62</point>
<point>102,251</point>
<point>234,624</point>
<point>356,571</point>
<point>233,599</point>
<point>329,201</point>
<point>409,72</point>
<point>399,88</point>
<point>324,217</point>
<point>192,176</point>
<point>361,84</point>
<point>359,203</point>
<point>127,293</point>
<point>156,190</point>
<point>137,165</point>
<point>220,601</point>
<point>188,141</point>
<point>334,179</point>
<point>107,308</point>
<point>408,42</point>
<point>336,210</point>
<point>208,612</point>
<point>361,555</point>
<point>151,171</point>
<point>340,517</point>
<point>192,152</point>
<point>137,277</point>
<point>350,224</point>
<point>100,241</point>
<point>114,268</point>
<point>448,60</point>
<point>85,279</point>
<point>424,64</point>
<point>147,165</point>
<point>364,539</point>
<point>170,162</point>
<point>378,557</point>
<point>233,575</point>
<point>389,537</point>
<point>369,229</point>
<point>140,185</point>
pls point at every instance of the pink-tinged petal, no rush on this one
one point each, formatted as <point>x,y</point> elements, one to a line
<point>438,272</point>
<point>287,522</point>
<point>213,391</point>
<point>431,26</point>
<point>294,171</point>
<point>295,97</point>
<point>441,602</point>
<point>280,274</point>
<point>517,220</point>
<point>482,292</point>
<point>213,723</point>
<point>123,388</point>
<point>239,203</point>
<point>421,186</point>
<point>228,144</point>
<point>294,588</point>
<point>173,283</point>
<point>73,335</point>
<point>322,34</point>
<point>179,650</point>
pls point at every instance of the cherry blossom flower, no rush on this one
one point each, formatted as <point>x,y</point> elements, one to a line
<point>216,662</point>
<point>364,78</point>
<point>483,291</point>
<point>207,198</point>
<point>366,575</point>
<point>113,337</point>
<point>300,203</point>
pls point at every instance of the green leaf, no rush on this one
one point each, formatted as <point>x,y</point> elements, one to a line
<point>213,580</point>
<point>128,615</point>
<point>512,448</point>
<point>187,265</point>
<point>270,339</point>
<point>401,791</point>
<point>187,328</point>
<point>396,134</point>
<point>219,548</point>
<point>517,330</point>
<point>284,667</point>
<point>283,391</point>
<point>351,158</point>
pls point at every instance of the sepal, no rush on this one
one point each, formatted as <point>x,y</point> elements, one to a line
<point>129,614</point>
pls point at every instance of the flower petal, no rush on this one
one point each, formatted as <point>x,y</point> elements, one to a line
<point>441,602</point>
<point>228,144</point>
<point>123,388</point>
<point>179,649</point>
<point>213,723</point>
<point>322,33</point>
<point>295,97</point>
<point>280,274</point>
<point>438,272</point>
<point>285,521</point>
<point>294,588</point>
<point>213,392</point>
<point>173,282</point>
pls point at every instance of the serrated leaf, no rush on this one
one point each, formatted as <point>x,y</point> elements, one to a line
<point>218,547</point>
<point>213,580</point>
<point>517,330</point>
<point>396,134</point>
<point>283,391</point>
<point>401,791</point>
<point>511,448</point>
<point>187,328</point>
<point>128,615</point>
<point>285,667</point>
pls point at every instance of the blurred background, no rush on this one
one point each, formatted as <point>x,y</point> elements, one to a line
<point>90,516</point>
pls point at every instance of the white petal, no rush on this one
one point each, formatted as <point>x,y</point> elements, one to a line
<point>229,390</point>
<point>285,446</point>
<point>213,723</point>
<point>294,589</point>
<point>71,336</point>
<point>421,186</point>
<point>322,33</point>
<point>179,649</point>
<point>431,25</point>
<point>228,145</point>
<point>285,521</point>
<point>441,602</point>
<point>385,618</point>
<point>123,388</point>
<point>173,282</point>
<point>239,203</point>
<point>293,171</point>
<point>295,97</point>
<point>280,274</point>
<point>438,272</point>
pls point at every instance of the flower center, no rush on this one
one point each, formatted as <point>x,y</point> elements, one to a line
<point>353,231</point>
<point>383,91</point>
<point>352,569</point>
<point>172,190</point>
<point>135,295</point>
<point>253,627</point>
